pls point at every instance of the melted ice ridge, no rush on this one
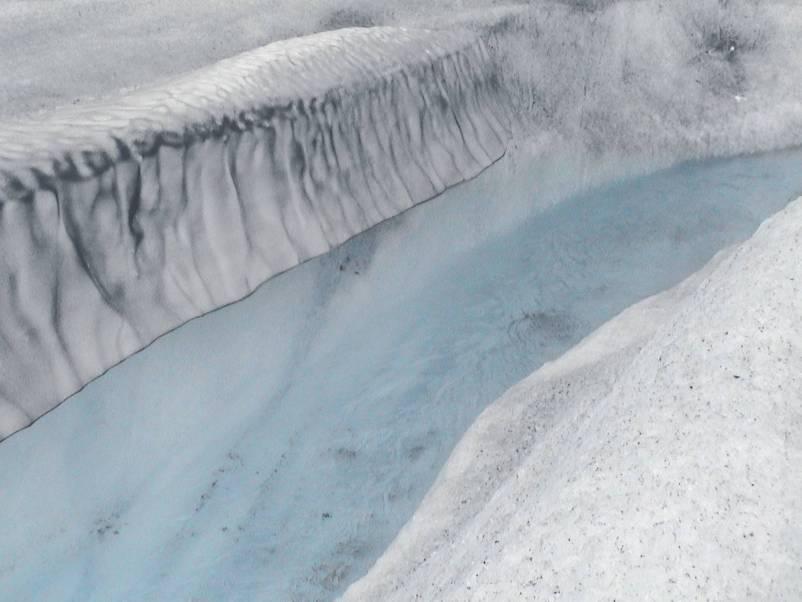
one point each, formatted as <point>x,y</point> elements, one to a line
<point>122,220</point>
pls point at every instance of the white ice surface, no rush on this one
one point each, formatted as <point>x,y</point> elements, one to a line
<point>271,450</point>
<point>186,471</point>
<point>657,460</point>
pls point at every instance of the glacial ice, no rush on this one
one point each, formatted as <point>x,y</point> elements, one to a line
<point>274,448</point>
<point>124,219</point>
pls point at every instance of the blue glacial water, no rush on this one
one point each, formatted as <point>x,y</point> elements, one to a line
<point>272,449</point>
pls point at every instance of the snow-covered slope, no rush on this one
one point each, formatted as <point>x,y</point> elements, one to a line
<point>659,459</point>
<point>124,219</point>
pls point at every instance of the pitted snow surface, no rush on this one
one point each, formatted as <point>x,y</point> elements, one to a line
<point>659,459</point>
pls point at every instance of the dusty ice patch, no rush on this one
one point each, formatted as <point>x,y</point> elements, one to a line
<point>658,459</point>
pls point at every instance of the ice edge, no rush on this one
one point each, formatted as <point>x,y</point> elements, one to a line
<point>122,220</point>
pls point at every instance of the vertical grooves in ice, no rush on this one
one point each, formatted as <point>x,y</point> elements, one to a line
<point>120,221</point>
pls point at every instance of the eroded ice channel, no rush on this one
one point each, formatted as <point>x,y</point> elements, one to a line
<point>272,449</point>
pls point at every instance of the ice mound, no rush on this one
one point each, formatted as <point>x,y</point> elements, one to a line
<point>120,221</point>
<point>660,457</point>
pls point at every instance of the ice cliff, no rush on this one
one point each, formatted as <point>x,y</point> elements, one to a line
<point>121,220</point>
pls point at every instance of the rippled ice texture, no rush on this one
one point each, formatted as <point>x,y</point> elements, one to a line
<point>272,449</point>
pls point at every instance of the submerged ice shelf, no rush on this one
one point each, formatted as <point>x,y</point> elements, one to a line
<point>272,449</point>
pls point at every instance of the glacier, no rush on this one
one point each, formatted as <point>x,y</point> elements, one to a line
<point>283,446</point>
<point>123,219</point>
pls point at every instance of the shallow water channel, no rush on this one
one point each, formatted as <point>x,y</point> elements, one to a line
<point>272,449</point>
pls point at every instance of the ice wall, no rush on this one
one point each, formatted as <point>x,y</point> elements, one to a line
<point>122,220</point>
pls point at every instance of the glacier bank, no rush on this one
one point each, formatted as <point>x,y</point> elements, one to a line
<point>121,220</point>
